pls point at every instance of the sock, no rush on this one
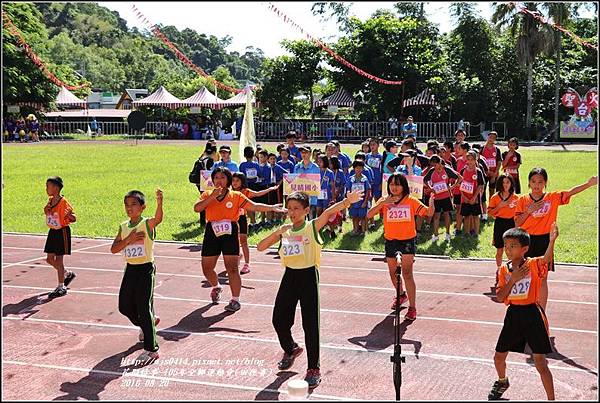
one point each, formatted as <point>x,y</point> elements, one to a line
<point>236,299</point>
<point>403,293</point>
<point>219,286</point>
<point>503,379</point>
<point>61,285</point>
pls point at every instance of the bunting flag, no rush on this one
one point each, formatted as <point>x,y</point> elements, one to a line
<point>8,24</point>
<point>331,52</point>
<point>154,29</point>
<point>538,16</point>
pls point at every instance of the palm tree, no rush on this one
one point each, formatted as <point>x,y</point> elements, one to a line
<point>561,14</point>
<point>532,37</point>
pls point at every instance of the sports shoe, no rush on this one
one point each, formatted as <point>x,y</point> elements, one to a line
<point>69,277</point>
<point>215,294</point>
<point>498,389</point>
<point>156,322</point>
<point>411,314</point>
<point>245,269</point>
<point>233,306</point>
<point>147,357</point>
<point>434,238</point>
<point>448,237</point>
<point>313,377</point>
<point>399,302</point>
<point>58,292</point>
<point>288,360</point>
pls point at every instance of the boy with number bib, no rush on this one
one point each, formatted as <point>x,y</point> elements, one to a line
<point>300,246</point>
<point>399,210</point>
<point>136,295</point>
<point>59,214</point>
<point>519,283</point>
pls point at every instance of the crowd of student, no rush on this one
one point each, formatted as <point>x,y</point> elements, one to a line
<point>455,176</point>
<point>21,129</point>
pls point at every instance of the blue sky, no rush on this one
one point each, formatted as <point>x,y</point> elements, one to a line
<point>253,24</point>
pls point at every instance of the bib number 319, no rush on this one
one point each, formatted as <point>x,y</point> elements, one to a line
<point>221,228</point>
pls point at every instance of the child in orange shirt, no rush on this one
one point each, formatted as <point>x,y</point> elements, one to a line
<point>537,211</point>
<point>519,284</point>
<point>59,214</point>
<point>399,210</point>
<point>502,207</point>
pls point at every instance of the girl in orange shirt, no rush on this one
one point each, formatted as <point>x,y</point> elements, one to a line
<point>240,184</point>
<point>222,207</point>
<point>537,211</point>
<point>399,210</point>
<point>502,207</point>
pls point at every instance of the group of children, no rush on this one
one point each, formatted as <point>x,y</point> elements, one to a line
<point>21,129</point>
<point>524,229</point>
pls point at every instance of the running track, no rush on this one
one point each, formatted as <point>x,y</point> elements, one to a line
<point>77,346</point>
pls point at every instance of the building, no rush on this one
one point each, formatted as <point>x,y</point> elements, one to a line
<point>130,95</point>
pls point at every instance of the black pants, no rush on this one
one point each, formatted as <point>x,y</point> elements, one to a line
<point>298,285</point>
<point>136,300</point>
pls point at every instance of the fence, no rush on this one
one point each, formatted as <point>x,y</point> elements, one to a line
<point>68,129</point>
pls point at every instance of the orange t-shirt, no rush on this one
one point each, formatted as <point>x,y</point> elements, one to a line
<point>58,214</point>
<point>398,219</point>
<point>506,211</point>
<point>540,221</point>
<point>526,290</point>
<point>226,209</point>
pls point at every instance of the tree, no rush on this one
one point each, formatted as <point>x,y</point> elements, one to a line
<point>412,10</point>
<point>340,10</point>
<point>532,40</point>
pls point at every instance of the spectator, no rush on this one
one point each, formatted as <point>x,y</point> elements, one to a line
<point>393,126</point>
<point>409,129</point>
<point>94,127</point>
<point>226,161</point>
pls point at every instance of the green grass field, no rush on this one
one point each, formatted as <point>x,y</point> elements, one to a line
<point>97,176</point>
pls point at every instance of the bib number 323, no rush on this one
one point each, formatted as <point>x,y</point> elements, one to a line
<point>292,246</point>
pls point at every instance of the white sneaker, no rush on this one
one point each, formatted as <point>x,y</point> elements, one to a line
<point>448,237</point>
<point>434,238</point>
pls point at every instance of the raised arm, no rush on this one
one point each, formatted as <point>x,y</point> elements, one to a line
<point>549,255</point>
<point>351,197</point>
<point>578,189</point>
<point>158,216</point>
<point>253,193</point>
<point>277,208</point>
<point>272,238</point>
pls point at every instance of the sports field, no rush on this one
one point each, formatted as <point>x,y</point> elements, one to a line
<point>98,174</point>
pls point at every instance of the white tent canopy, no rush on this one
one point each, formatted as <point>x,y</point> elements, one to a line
<point>240,99</point>
<point>160,97</point>
<point>66,97</point>
<point>204,98</point>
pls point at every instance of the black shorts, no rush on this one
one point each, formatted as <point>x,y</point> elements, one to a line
<point>228,245</point>
<point>483,194</point>
<point>58,241</point>
<point>272,198</point>
<point>425,199</point>
<point>470,209</point>
<point>406,247</point>
<point>457,200</point>
<point>243,225</point>
<point>524,324</point>
<point>501,225</point>
<point>264,199</point>
<point>537,247</point>
<point>443,205</point>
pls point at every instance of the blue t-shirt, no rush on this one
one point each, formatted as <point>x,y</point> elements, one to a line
<point>295,152</point>
<point>288,165</point>
<point>368,172</point>
<point>416,170</point>
<point>388,158</point>
<point>264,174</point>
<point>409,126</point>
<point>269,174</point>
<point>231,165</point>
<point>360,183</point>
<point>251,170</point>
<point>311,169</point>
<point>340,179</point>
<point>291,158</point>
<point>344,161</point>
<point>375,161</point>
<point>327,180</point>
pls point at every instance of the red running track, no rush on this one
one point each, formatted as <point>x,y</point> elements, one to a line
<point>80,346</point>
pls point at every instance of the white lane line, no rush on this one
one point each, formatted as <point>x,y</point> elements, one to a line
<point>247,279</point>
<point>331,346</point>
<point>164,378</point>
<point>480,322</point>
<point>348,268</point>
<point>44,257</point>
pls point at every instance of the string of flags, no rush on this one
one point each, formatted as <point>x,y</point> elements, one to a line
<point>178,53</point>
<point>10,26</point>
<point>337,57</point>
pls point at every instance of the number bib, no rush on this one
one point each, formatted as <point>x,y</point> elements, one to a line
<point>221,227</point>
<point>491,162</point>
<point>512,171</point>
<point>466,187</point>
<point>440,187</point>
<point>251,173</point>
<point>542,211</point>
<point>292,246</point>
<point>521,289</point>
<point>52,220</point>
<point>398,214</point>
<point>135,250</point>
<point>374,163</point>
<point>358,186</point>
<point>323,194</point>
